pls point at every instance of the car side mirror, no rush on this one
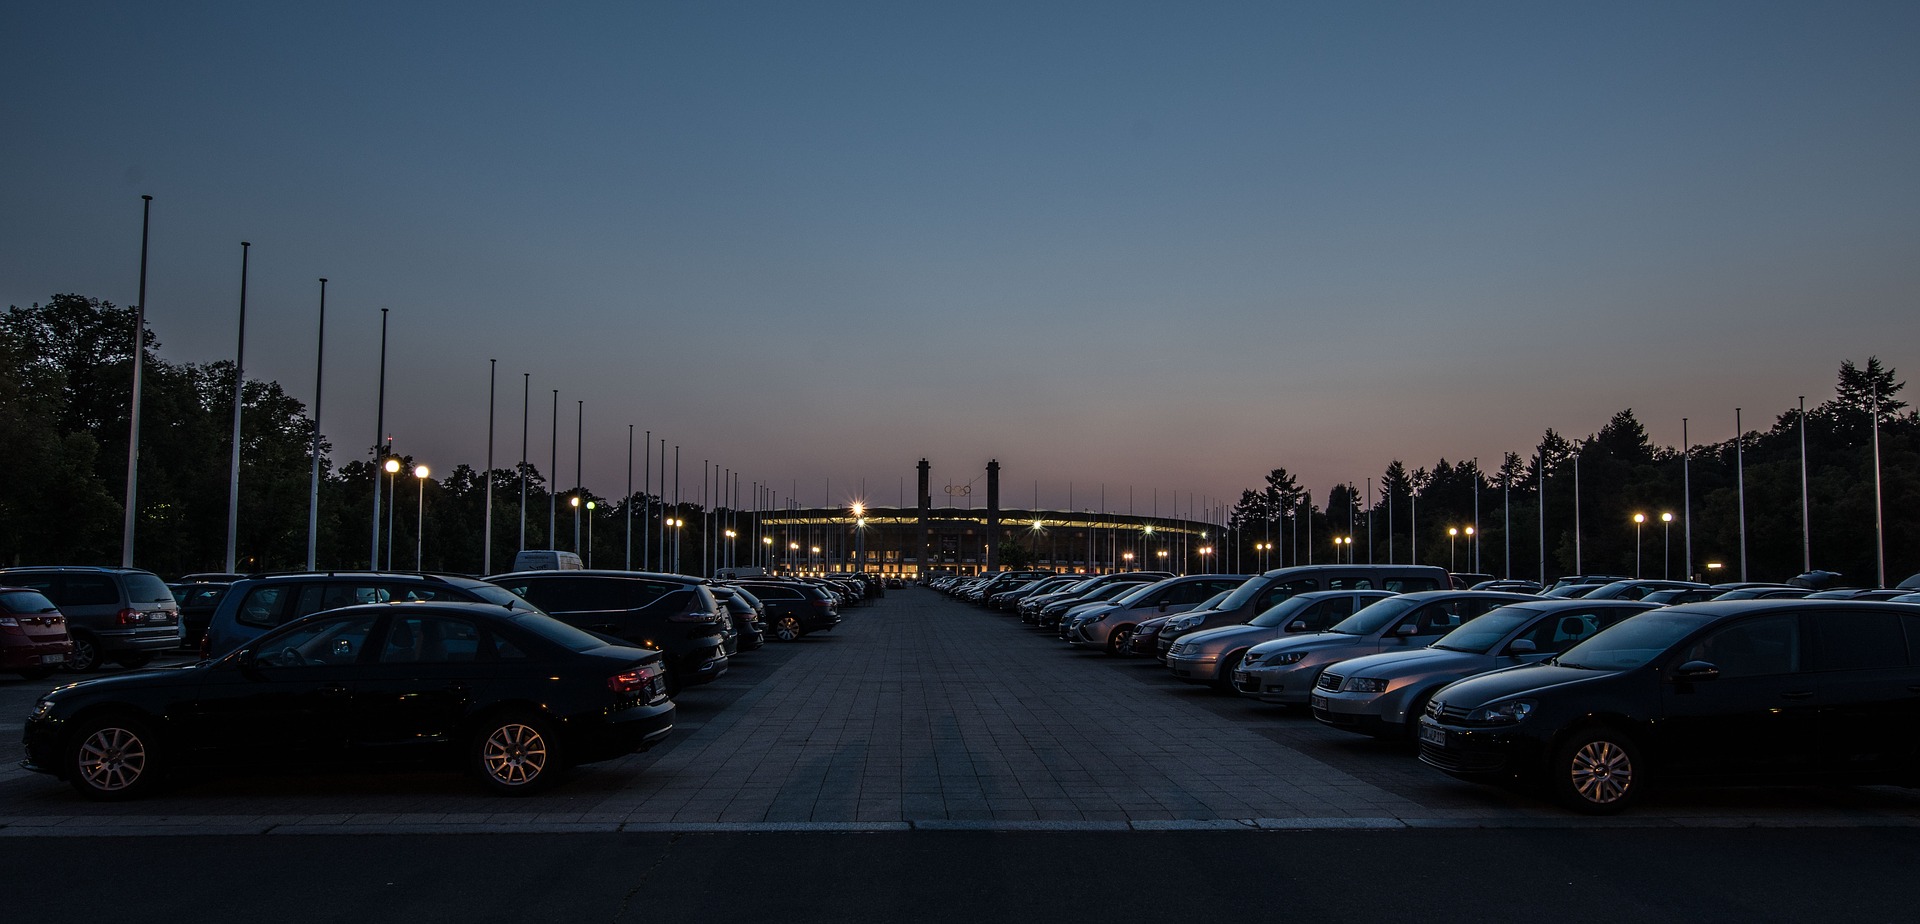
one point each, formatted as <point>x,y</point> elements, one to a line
<point>1522,646</point>
<point>1407,629</point>
<point>1164,604</point>
<point>1298,625</point>
<point>1696,671</point>
<point>244,660</point>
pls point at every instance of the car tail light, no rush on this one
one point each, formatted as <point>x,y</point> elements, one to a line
<point>693,613</point>
<point>638,680</point>
<point>129,617</point>
<point>823,604</point>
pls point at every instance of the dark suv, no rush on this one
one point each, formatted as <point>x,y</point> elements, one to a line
<point>253,606</point>
<point>673,614</point>
<point>794,609</point>
<point>123,615</point>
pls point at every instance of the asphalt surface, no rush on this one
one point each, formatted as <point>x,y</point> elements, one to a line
<point>1559,875</point>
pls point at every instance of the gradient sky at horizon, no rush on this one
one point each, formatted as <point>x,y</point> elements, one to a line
<point>1166,246</point>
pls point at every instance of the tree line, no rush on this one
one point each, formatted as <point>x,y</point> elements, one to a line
<point>1620,473</point>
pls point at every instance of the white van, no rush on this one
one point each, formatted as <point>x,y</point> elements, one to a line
<point>741,574</point>
<point>546,560</point>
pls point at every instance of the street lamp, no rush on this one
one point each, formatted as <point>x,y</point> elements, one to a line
<point>731,535</point>
<point>420,524</point>
<point>1128,556</point>
<point>1451,533</point>
<point>590,506</point>
<point>1638,519</point>
<point>1666,543</point>
<point>1162,553</point>
<point>768,542</point>
<point>1473,550</point>
<point>393,468</point>
<point>813,561</point>
<point>575,503</point>
<point>1205,562</point>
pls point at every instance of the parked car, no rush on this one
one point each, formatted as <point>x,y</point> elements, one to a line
<point>1757,691</point>
<point>1384,694</point>
<point>673,614</point>
<point>1110,627</point>
<point>1285,669</point>
<point>1638,589</point>
<point>1763,592</point>
<point>745,613</point>
<point>1053,613</point>
<point>794,609</point>
<point>33,634</point>
<point>513,696</point>
<point>1261,593</point>
<point>1146,635</point>
<point>1682,595</point>
<point>266,601</point>
<point>197,602</point>
<point>1511,585</point>
<point>1210,656</point>
<point>123,615</point>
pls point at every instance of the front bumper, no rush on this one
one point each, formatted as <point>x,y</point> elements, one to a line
<point>1354,712</point>
<point>1287,684</point>
<point>1476,753</point>
<point>1199,668</point>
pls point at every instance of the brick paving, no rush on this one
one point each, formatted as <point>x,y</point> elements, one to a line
<point>921,712</point>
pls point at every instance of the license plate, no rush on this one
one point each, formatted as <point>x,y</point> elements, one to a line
<point>1434,736</point>
<point>1239,676</point>
<point>1317,701</point>
<point>53,659</point>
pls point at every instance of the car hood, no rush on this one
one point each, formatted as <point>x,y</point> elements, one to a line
<point>1314,642</point>
<point>1235,633</point>
<point>131,680</point>
<point>1420,661</point>
<point>1475,692</point>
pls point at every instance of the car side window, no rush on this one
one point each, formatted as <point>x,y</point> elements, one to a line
<point>1411,585</point>
<point>1856,641</point>
<point>433,640</point>
<point>1556,634</point>
<point>88,590</point>
<point>1284,591</point>
<point>1758,647</point>
<point>1437,618</point>
<point>262,607</point>
<point>1350,583</point>
<point>324,643</point>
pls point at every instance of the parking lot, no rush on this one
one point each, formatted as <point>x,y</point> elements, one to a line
<point>920,712</point>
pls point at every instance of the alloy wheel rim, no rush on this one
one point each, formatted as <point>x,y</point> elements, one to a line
<point>1602,772</point>
<point>515,754</point>
<point>112,759</point>
<point>789,629</point>
<point>82,656</point>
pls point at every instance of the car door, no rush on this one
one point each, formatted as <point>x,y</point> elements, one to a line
<point>1757,718</point>
<point>287,699</point>
<point>419,686</point>
<point>1869,695</point>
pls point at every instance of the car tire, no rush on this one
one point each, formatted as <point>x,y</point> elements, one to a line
<point>1120,640</point>
<point>516,753</point>
<point>1597,771</point>
<point>85,656</point>
<point>1415,710</point>
<point>134,662</point>
<point>111,758</point>
<point>787,629</point>
<point>1229,662</point>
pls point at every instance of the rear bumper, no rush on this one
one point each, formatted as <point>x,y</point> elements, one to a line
<point>32,655</point>
<point>604,737</point>
<point>158,638</point>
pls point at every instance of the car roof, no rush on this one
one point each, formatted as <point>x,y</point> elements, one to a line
<point>592,572</point>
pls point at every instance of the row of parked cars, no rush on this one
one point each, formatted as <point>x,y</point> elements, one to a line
<point>1588,689</point>
<point>515,676</point>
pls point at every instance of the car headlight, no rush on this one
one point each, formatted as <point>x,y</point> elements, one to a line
<point>1506,713</point>
<point>1366,685</point>
<point>1288,657</point>
<point>41,708</point>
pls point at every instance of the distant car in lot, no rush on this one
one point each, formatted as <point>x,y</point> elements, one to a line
<point>1111,627</point>
<point>746,613</point>
<point>1210,656</point>
<point>673,614</point>
<point>1262,592</point>
<point>1146,635</point>
<point>123,615</point>
<point>1384,694</point>
<point>1286,669</point>
<point>513,696</point>
<point>197,602</point>
<point>33,634</point>
<point>794,609</point>
<point>1760,691</point>
<point>1636,589</point>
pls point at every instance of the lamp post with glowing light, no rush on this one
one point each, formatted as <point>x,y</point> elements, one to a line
<point>727,559</point>
<point>860,536</point>
<point>575,504</point>
<point>767,541</point>
<point>1666,544</point>
<point>1638,519</point>
<point>590,506</point>
<point>1128,558</point>
<point>1262,548</point>
<point>1206,566</point>
<point>1452,532</point>
<point>1473,549</point>
<point>813,561</point>
<point>393,468</point>
<point>793,552</point>
<point>1162,553</point>
<point>420,523</point>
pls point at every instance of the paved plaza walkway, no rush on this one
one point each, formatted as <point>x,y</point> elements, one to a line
<point>919,712</point>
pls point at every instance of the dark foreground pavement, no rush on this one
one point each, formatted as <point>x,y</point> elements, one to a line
<point>1559,875</point>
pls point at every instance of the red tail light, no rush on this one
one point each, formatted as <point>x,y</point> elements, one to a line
<point>639,680</point>
<point>129,617</point>
<point>823,604</point>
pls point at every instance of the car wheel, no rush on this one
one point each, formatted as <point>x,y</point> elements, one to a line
<point>516,754</point>
<point>1414,711</point>
<point>1229,662</point>
<point>1120,641</point>
<point>112,758</point>
<point>1598,771</point>
<point>85,656</point>
<point>134,661</point>
<point>787,629</point>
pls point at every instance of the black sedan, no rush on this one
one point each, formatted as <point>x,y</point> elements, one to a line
<point>1758,691</point>
<point>512,696</point>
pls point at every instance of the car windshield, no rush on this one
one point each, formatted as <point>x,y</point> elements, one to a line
<point>1374,617</point>
<point>1480,635</point>
<point>148,588</point>
<point>1243,594</point>
<point>1283,612</point>
<point>1631,642</point>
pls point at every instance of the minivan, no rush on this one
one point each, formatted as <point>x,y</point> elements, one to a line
<point>123,615</point>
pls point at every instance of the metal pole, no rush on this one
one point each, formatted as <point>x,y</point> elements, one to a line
<point>1506,515</point>
<point>420,524</point>
<point>579,443</point>
<point>313,490</point>
<point>646,503</point>
<point>1740,475</point>
<point>1806,521</point>
<point>139,364</point>
<point>553,471</point>
<point>1579,564</point>
<point>379,438</point>
<point>676,510</point>
<point>486,545</point>
<point>1541,470</point>
<point>1879,505</point>
<point>239,385</point>
<point>628,504</point>
<point>1686,495</point>
<point>526,409</point>
<point>1473,543</point>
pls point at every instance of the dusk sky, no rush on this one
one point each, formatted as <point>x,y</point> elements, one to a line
<point>1160,245</point>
